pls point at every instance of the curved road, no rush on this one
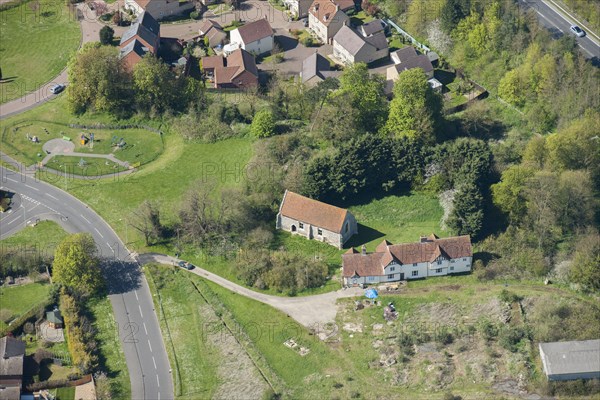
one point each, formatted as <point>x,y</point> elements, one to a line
<point>129,294</point>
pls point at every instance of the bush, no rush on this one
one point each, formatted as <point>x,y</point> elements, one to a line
<point>307,41</point>
<point>509,297</point>
<point>263,124</point>
<point>195,15</point>
<point>511,336</point>
<point>107,35</point>
<point>487,329</point>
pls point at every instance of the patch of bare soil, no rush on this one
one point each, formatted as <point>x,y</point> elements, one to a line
<point>239,378</point>
<point>494,310</point>
<point>446,314</point>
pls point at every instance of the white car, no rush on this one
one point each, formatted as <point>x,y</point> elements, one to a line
<point>577,31</point>
<point>55,89</point>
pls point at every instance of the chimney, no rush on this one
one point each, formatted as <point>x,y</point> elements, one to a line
<point>423,239</point>
<point>363,250</point>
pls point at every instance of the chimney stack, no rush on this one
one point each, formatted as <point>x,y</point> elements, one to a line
<point>364,250</point>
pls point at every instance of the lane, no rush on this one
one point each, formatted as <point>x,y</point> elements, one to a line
<point>560,25</point>
<point>129,293</point>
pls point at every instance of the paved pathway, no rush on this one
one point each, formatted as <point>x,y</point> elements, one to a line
<point>90,29</point>
<point>61,147</point>
<point>311,311</point>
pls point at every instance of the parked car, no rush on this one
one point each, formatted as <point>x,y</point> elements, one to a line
<point>55,89</point>
<point>577,31</point>
<point>185,265</point>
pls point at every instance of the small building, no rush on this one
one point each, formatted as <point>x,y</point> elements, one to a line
<point>436,85</point>
<point>236,71</point>
<point>256,37</point>
<point>326,18</point>
<point>316,220</point>
<point>350,47</point>
<point>408,58</point>
<point>55,319</point>
<point>12,353</point>
<point>315,69</point>
<point>572,360</point>
<point>214,33</point>
<point>429,257</point>
<point>159,8</point>
<point>298,8</point>
<point>142,37</point>
<point>372,28</point>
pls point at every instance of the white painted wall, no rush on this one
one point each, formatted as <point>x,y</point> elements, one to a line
<point>257,47</point>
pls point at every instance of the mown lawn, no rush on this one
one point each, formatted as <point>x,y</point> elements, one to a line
<point>65,393</point>
<point>15,301</point>
<point>37,39</point>
<point>112,358</point>
<point>90,166</point>
<point>41,238</point>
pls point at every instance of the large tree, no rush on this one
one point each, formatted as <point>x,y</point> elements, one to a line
<point>146,220</point>
<point>509,193</point>
<point>416,110</point>
<point>76,264</point>
<point>97,80</point>
<point>467,212</point>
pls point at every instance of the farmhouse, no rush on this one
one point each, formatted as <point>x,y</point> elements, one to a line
<point>349,46</point>
<point>255,37</point>
<point>326,18</point>
<point>12,352</point>
<point>315,220</point>
<point>431,256</point>
<point>159,8</point>
<point>564,361</point>
<point>236,71</point>
<point>141,38</point>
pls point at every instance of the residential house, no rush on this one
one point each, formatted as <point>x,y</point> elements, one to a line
<point>315,220</point>
<point>159,8</point>
<point>326,18</point>
<point>315,69</point>
<point>371,28</point>
<point>256,37</point>
<point>142,37</point>
<point>214,33</point>
<point>573,360</point>
<point>12,353</point>
<point>431,256</point>
<point>408,58</point>
<point>298,8</point>
<point>350,47</point>
<point>54,319</point>
<point>236,71</point>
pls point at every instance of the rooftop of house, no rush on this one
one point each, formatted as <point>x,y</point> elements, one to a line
<point>428,249</point>
<point>209,24</point>
<point>581,356</point>
<point>419,61</point>
<point>144,3</point>
<point>325,10</point>
<point>315,65</point>
<point>54,316</point>
<point>313,212</point>
<point>255,30</point>
<point>12,352</point>
<point>135,46</point>
<point>227,68</point>
<point>353,41</point>
<point>372,27</point>
<point>145,27</point>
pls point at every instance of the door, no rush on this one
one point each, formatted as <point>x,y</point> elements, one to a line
<point>402,276</point>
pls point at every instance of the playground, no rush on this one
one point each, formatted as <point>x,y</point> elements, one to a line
<point>36,142</point>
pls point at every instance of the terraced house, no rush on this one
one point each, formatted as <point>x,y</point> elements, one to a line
<point>431,256</point>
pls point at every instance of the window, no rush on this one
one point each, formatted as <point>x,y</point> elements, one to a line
<point>415,273</point>
<point>439,262</point>
<point>438,271</point>
<point>392,269</point>
<point>346,227</point>
<point>468,265</point>
<point>464,259</point>
<point>371,278</point>
<point>319,232</point>
<point>414,264</point>
<point>452,261</point>
<point>451,268</point>
<point>391,276</point>
<point>300,225</point>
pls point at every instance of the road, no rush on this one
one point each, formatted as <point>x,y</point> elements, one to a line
<point>133,308</point>
<point>559,26</point>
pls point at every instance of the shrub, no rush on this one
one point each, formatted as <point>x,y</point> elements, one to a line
<point>263,124</point>
<point>195,15</point>
<point>511,336</point>
<point>107,35</point>
<point>307,41</point>
<point>488,329</point>
<point>509,297</point>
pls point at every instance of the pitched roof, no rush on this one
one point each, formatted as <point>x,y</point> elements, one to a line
<point>370,28</point>
<point>325,10</point>
<point>419,61</point>
<point>134,46</point>
<point>145,27</point>
<point>12,352</point>
<point>212,62</point>
<point>377,40</point>
<point>149,22</point>
<point>256,30</point>
<point>209,24</point>
<point>236,63</point>
<point>313,212</point>
<point>353,42</point>
<point>54,316</point>
<point>344,4</point>
<point>427,250</point>
<point>362,264</point>
<point>571,357</point>
<point>314,65</point>
<point>405,53</point>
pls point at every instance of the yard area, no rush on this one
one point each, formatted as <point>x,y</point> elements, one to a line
<point>43,238</point>
<point>90,166</point>
<point>15,301</point>
<point>28,60</point>
<point>131,145</point>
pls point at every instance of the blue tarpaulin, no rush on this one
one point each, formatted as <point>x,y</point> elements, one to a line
<point>371,294</point>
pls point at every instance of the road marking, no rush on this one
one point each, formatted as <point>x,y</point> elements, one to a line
<point>157,382</point>
<point>14,220</point>
<point>154,361</point>
<point>149,345</point>
<point>158,395</point>
<point>146,330</point>
<point>49,195</point>
<point>136,296</point>
<point>12,180</point>
<point>86,220</point>
<point>31,187</point>
<point>140,307</point>
<point>102,236</point>
<point>110,247</point>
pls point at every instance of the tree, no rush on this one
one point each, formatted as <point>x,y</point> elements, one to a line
<point>97,80</point>
<point>439,39</point>
<point>585,268</point>
<point>365,92</point>
<point>416,110</point>
<point>146,220</point>
<point>263,124</point>
<point>157,87</point>
<point>106,35</point>
<point>510,88</point>
<point>467,212</point>
<point>452,13</point>
<point>509,193</point>
<point>76,265</point>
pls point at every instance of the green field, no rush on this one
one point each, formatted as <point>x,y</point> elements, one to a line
<point>17,300</point>
<point>140,145</point>
<point>91,166</point>
<point>112,358</point>
<point>43,238</point>
<point>37,39</point>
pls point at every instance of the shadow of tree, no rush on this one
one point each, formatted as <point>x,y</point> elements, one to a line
<point>286,43</point>
<point>121,276</point>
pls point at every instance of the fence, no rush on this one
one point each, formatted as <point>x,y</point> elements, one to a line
<point>408,36</point>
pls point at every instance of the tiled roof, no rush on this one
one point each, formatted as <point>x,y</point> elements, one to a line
<point>256,30</point>
<point>134,46</point>
<point>313,65</point>
<point>226,69</point>
<point>325,10</point>
<point>419,61</point>
<point>427,250</point>
<point>372,27</point>
<point>313,212</point>
<point>208,25</point>
<point>145,27</point>
<point>12,352</point>
<point>212,62</point>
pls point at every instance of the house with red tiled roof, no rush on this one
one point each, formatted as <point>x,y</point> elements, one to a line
<point>430,256</point>
<point>255,37</point>
<point>316,220</point>
<point>159,8</point>
<point>236,71</point>
<point>326,18</point>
